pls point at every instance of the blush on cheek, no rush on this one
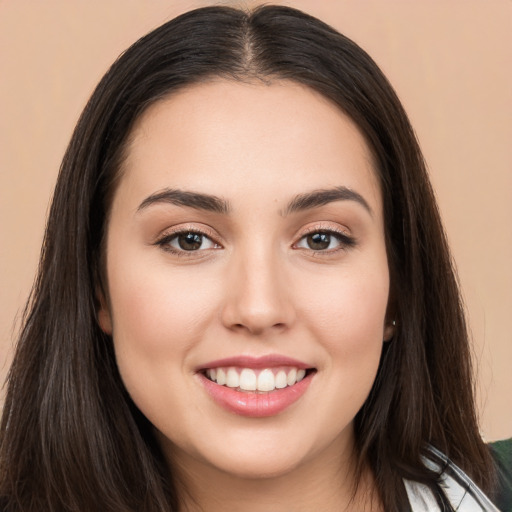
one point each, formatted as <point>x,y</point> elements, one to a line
<point>355,315</point>
<point>156,316</point>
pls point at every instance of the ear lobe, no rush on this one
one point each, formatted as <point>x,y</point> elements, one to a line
<point>389,330</point>
<point>103,313</point>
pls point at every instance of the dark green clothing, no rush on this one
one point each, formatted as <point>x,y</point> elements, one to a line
<point>502,454</point>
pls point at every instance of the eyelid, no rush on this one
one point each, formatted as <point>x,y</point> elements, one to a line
<point>324,226</point>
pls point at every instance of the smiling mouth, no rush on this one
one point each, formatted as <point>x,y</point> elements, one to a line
<point>257,380</point>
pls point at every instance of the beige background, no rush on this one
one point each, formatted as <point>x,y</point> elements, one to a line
<point>449,60</point>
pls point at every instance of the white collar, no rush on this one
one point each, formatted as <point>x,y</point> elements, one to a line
<point>462,493</point>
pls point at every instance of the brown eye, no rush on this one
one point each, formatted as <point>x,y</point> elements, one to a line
<point>327,241</point>
<point>189,241</point>
<point>318,241</point>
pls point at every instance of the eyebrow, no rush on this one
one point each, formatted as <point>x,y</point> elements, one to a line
<point>318,198</point>
<point>211,203</point>
<point>189,199</point>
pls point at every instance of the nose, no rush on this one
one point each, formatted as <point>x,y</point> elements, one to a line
<point>257,299</point>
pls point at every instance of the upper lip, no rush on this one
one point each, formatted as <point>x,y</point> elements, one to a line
<point>261,362</point>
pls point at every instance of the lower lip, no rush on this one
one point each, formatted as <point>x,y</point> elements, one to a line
<point>253,404</point>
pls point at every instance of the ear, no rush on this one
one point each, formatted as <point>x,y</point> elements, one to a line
<point>389,330</point>
<point>103,312</point>
<point>391,315</point>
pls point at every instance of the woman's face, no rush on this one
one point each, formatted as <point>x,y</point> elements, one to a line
<point>247,276</point>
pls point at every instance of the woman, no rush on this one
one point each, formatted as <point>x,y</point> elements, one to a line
<point>245,297</point>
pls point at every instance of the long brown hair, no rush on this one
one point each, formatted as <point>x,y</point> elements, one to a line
<point>71,438</point>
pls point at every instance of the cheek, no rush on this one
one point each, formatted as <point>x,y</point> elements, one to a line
<point>348,302</point>
<point>346,312</point>
<point>157,307</point>
<point>158,317</point>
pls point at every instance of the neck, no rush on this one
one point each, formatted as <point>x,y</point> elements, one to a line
<point>326,483</point>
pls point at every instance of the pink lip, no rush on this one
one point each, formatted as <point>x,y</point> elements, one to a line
<point>269,361</point>
<point>255,404</point>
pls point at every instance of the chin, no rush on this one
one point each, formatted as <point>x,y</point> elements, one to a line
<point>259,466</point>
<point>244,456</point>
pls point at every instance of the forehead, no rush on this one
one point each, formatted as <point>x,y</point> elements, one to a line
<point>222,136</point>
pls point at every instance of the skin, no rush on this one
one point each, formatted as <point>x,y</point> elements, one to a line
<point>254,287</point>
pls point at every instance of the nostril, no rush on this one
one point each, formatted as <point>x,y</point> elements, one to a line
<point>256,328</point>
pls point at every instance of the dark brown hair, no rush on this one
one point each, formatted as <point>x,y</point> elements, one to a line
<point>71,438</point>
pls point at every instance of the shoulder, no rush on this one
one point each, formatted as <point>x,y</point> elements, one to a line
<point>501,452</point>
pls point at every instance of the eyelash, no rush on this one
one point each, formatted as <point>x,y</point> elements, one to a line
<point>166,240</point>
<point>345,241</point>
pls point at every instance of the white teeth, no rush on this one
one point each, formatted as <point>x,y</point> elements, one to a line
<point>281,381</point>
<point>232,379</point>
<point>292,377</point>
<point>221,377</point>
<point>248,380</point>
<point>266,381</point>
